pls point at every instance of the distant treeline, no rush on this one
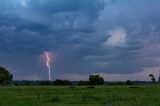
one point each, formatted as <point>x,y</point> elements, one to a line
<point>57,82</point>
<point>67,82</point>
<point>6,79</point>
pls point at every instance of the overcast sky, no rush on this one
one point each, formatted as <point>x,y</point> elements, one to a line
<point>119,39</point>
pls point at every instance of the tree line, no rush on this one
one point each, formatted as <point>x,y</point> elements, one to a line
<point>6,78</point>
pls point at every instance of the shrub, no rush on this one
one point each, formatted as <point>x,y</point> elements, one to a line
<point>62,82</point>
<point>128,82</point>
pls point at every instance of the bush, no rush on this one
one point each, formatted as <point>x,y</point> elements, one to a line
<point>62,82</point>
<point>128,82</point>
<point>5,76</point>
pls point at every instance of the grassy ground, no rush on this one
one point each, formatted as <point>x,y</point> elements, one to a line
<point>80,96</point>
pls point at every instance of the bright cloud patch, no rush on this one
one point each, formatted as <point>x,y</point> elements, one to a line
<point>23,3</point>
<point>117,38</point>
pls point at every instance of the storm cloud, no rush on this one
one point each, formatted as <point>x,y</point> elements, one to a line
<point>90,36</point>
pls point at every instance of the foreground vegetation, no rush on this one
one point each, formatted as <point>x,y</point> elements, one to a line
<point>146,95</point>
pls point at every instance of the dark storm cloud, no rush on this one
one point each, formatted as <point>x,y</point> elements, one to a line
<point>141,25</point>
<point>45,24</point>
<point>28,28</point>
<point>88,36</point>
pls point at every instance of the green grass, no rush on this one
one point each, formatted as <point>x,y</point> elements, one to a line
<point>148,95</point>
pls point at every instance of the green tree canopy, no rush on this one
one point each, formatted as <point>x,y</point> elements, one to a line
<point>5,76</point>
<point>152,77</point>
<point>96,80</point>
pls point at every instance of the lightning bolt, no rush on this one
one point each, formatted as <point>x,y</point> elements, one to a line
<point>48,64</point>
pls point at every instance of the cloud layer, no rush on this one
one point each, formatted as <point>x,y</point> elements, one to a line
<point>106,36</point>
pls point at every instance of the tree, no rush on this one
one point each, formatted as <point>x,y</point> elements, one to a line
<point>96,80</point>
<point>152,77</point>
<point>129,82</point>
<point>5,76</point>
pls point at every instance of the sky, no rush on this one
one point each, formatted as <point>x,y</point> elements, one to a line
<point>118,39</point>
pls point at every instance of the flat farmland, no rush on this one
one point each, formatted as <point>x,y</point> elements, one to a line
<point>141,95</point>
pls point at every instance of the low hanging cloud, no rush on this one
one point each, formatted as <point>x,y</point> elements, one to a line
<point>117,38</point>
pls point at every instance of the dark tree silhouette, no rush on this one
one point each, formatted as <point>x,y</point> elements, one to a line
<point>152,77</point>
<point>5,76</point>
<point>159,79</point>
<point>96,80</point>
<point>62,82</point>
<point>129,82</point>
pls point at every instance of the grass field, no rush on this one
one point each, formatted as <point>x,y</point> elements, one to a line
<point>146,95</point>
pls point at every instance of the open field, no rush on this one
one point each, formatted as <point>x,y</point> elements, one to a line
<point>146,95</point>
